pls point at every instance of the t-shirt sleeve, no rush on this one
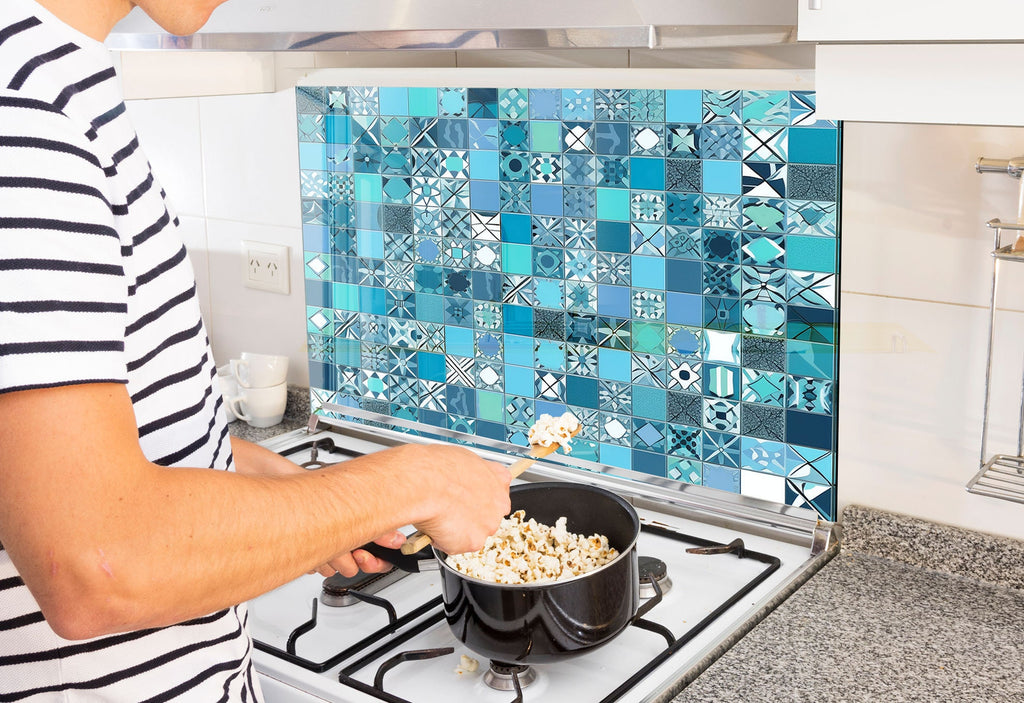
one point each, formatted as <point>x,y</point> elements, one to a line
<point>63,289</point>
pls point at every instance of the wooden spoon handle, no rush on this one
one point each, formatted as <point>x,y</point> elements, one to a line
<point>418,540</point>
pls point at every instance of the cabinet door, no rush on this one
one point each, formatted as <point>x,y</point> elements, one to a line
<point>910,20</point>
<point>957,83</point>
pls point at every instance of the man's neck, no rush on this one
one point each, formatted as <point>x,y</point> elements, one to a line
<point>94,18</point>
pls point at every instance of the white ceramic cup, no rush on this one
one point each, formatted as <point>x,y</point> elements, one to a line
<point>228,388</point>
<point>260,407</point>
<point>259,370</point>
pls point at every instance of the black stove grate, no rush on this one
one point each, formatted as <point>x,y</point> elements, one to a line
<point>432,613</point>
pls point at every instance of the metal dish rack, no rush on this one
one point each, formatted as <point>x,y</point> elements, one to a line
<point>1001,475</point>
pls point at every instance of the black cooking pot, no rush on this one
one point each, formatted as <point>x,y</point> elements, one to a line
<point>543,622</point>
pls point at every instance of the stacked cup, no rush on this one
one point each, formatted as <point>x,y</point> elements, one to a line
<point>254,388</point>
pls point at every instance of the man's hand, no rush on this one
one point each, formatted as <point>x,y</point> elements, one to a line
<point>467,496</point>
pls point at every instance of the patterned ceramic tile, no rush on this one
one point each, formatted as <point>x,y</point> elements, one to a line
<point>663,263</point>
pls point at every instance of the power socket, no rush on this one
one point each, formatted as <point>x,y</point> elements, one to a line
<point>265,266</point>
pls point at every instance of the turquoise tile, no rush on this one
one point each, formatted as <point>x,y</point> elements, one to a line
<point>519,380</point>
<point>545,136</point>
<point>811,253</point>
<point>612,204</point>
<point>423,102</point>
<point>483,165</point>
<point>646,173</point>
<point>810,359</point>
<point>338,129</point>
<point>649,402</point>
<point>683,106</point>
<point>429,308</point>
<point>809,145</point>
<point>722,177</point>
<point>346,296</point>
<point>515,228</point>
<point>517,258</point>
<point>430,366</point>
<point>372,300</point>
<point>518,350</point>
<point>368,187</point>
<point>614,455</point>
<point>614,364</point>
<point>394,101</point>
<point>647,271</point>
<point>370,244</point>
<point>312,156</point>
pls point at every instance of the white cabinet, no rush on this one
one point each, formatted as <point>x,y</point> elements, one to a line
<point>928,61</point>
<point>910,20</point>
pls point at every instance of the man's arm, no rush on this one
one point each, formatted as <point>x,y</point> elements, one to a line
<point>107,541</point>
<point>250,458</point>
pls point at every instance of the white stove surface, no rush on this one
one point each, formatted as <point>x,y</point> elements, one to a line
<point>700,583</point>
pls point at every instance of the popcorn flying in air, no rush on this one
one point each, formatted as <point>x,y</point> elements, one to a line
<point>550,430</point>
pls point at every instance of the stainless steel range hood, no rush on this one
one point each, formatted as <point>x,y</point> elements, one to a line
<point>470,25</point>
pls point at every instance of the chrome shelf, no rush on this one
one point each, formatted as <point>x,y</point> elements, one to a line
<point>1001,477</point>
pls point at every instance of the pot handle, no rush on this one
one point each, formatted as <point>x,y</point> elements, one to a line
<point>423,560</point>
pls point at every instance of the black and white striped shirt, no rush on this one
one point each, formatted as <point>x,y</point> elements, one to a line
<point>95,286</point>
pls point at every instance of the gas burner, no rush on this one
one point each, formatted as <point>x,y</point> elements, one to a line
<point>502,677</point>
<point>340,591</point>
<point>652,567</point>
<point>321,444</point>
<point>314,463</point>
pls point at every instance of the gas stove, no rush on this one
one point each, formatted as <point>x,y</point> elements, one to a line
<point>712,566</point>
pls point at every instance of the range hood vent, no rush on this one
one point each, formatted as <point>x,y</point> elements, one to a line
<point>471,25</point>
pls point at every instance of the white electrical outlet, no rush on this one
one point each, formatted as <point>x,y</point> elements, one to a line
<point>265,266</point>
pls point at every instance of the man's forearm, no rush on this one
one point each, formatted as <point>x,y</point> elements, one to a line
<point>107,541</point>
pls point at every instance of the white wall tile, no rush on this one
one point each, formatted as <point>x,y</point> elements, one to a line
<point>244,319</point>
<point>164,74</point>
<point>250,158</point>
<point>168,131</point>
<point>549,58</point>
<point>910,408</point>
<point>193,233</point>
<point>914,210</point>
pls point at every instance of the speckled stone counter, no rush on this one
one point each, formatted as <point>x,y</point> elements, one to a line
<point>908,611</point>
<point>296,414</point>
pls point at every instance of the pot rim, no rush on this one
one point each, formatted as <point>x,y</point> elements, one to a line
<point>441,556</point>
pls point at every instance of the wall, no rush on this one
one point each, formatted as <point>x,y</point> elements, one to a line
<point>915,285</point>
<point>230,167</point>
<point>916,280</point>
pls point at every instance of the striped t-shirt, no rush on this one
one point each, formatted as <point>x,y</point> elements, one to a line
<point>95,286</point>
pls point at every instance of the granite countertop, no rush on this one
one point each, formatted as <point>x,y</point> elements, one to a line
<point>296,415</point>
<point>907,611</point>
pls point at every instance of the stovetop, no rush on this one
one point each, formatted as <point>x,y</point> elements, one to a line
<point>393,644</point>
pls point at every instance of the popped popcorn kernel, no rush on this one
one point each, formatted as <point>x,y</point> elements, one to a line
<point>525,551</point>
<point>548,430</point>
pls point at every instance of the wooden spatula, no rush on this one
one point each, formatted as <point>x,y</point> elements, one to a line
<point>418,540</point>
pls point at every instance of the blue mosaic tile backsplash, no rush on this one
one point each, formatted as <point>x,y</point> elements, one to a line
<point>662,263</point>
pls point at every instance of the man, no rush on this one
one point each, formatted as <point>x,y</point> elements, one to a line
<point>131,523</point>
